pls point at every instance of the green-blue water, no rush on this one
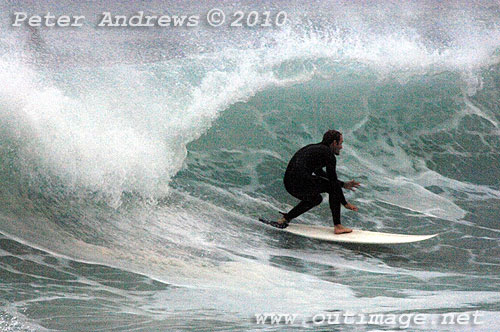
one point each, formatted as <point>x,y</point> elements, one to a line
<point>135,162</point>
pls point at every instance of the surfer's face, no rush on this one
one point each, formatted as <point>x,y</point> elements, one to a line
<point>337,146</point>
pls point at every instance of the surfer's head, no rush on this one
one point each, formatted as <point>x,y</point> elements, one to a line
<point>333,139</point>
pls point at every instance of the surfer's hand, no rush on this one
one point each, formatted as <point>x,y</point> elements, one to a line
<point>351,185</point>
<point>351,207</point>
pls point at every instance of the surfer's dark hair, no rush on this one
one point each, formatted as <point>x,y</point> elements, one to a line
<point>330,136</point>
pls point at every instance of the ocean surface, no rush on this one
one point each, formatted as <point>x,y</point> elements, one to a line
<point>134,163</point>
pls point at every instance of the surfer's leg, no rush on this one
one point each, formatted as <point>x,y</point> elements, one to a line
<point>323,186</point>
<point>335,208</point>
<point>304,206</point>
<point>309,192</point>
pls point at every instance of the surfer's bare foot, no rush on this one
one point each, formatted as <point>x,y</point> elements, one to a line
<point>339,229</point>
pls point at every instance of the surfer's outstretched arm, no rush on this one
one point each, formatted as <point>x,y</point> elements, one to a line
<point>321,172</point>
<point>335,185</point>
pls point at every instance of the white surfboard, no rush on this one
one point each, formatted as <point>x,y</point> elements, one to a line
<point>356,236</point>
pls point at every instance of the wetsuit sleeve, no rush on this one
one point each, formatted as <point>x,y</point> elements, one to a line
<point>334,182</point>
<point>322,173</point>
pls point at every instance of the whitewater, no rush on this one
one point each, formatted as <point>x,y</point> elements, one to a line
<point>135,162</point>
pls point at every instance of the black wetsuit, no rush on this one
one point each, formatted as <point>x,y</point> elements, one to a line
<point>305,179</point>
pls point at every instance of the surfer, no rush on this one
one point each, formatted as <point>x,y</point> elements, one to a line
<point>305,179</point>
